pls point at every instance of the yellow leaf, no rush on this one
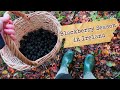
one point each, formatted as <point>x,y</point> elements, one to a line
<point>105,52</point>
<point>113,64</point>
<point>5,72</point>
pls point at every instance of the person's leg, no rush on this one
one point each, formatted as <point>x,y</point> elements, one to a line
<point>66,60</point>
<point>88,67</point>
<point>63,70</point>
<point>89,75</point>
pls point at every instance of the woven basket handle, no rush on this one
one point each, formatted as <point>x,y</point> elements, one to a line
<point>11,44</point>
<point>19,14</point>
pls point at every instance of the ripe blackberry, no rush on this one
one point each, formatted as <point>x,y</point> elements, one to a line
<point>37,43</point>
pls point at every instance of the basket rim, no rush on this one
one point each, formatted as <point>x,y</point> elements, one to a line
<point>58,37</point>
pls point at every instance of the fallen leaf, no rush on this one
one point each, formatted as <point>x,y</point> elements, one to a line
<point>101,77</point>
<point>114,38</point>
<point>34,69</point>
<point>76,19</point>
<point>83,21</point>
<point>103,61</point>
<point>81,66</point>
<point>78,49</point>
<point>113,64</point>
<point>48,71</point>
<point>11,70</point>
<point>118,58</point>
<point>106,13</point>
<point>20,74</point>
<point>116,47</point>
<point>83,57</point>
<point>58,57</point>
<point>15,74</point>
<point>8,76</point>
<point>4,72</point>
<point>79,56</point>
<point>96,58</point>
<point>108,73</point>
<point>118,14</point>
<point>84,16</point>
<point>99,52</point>
<point>96,70</point>
<point>105,52</point>
<point>92,52</point>
<point>107,47</point>
<point>110,64</point>
<point>113,53</point>
<point>31,78</point>
<point>54,68</point>
<point>61,18</point>
<point>99,13</point>
<point>96,51</point>
<point>97,63</point>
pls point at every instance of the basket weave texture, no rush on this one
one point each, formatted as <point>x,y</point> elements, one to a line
<point>24,24</point>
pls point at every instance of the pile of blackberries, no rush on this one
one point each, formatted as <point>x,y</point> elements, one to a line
<point>38,43</point>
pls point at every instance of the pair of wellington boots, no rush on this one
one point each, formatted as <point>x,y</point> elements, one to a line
<point>88,63</point>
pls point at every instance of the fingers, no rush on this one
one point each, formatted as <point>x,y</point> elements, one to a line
<point>1,25</point>
<point>10,22</point>
<point>5,17</point>
<point>9,31</point>
<point>13,37</point>
<point>9,26</point>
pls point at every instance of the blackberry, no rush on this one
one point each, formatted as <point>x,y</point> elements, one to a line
<point>25,37</point>
<point>38,43</point>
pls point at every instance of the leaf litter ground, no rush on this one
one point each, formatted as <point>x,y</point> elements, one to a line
<point>107,55</point>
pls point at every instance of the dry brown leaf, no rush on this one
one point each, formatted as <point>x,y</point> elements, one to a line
<point>105,52</point>
<point>108,73</point>
<point>103,61</point>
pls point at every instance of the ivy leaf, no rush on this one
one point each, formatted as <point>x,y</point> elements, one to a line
<point>93,15</point>
<point>118,77</point>
<point>1,13</point>
<point>19,74</point>
<point>105,17</point>
<point>98,19</point>
<point>78,49</point>
<point>61,18</point>
<point>15,74</point>
<point>118,14</point>
<point>110,64</point>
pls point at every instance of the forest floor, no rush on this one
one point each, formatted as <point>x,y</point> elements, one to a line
<point>107,55</point>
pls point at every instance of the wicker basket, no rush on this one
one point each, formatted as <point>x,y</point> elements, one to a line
<point>27,23</point>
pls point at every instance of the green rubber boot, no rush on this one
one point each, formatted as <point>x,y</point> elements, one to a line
<point>67,58</point>
<point>88,67</point>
